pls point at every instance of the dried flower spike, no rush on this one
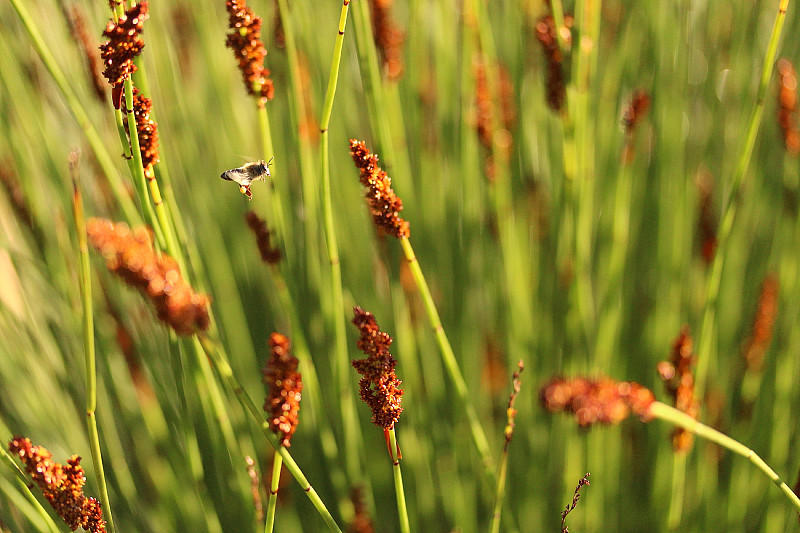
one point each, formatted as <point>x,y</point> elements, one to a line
<point>601,400</point>
<point>379,386</point>
<point>62,485</point>
<point>147,129</point>
<point>284,386</point>
<point>384,204</point>
<point>787,105</point>
<point>123,44</point>
<point>571,507</point>
<point>269,253</point>
<point>388,38</point>
<point>76,17</point>
<point>546,33</point>
<point>130,255</point>
<point>679,381</point>
<point>245,41</point>
<point>511,411</point>
<point>764,320</point>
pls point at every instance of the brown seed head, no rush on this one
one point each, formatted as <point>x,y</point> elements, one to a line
<point>129,254</point>
<point>787,105</point>
<point>379,386</point>
<point>245,41</point>
<point>635,110</point>
<point>764,320</point>
<point>123,44</point>
<point>679,382</point>
<point>76,17</point>
<point>546,33</point>
<point>61,485</point>
<point>384,204</point>
<point>389,38</point>
<point>269,253</point>
<point>597,400</point>
<point>147,130</point>
<point>284,386</point>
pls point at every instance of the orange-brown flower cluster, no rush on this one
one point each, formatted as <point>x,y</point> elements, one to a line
<point>601,400</point>
<point>389,38</point>
<point>485,107</point>
<point>361,522</point>
<point>766,312</point>
<point>379,386</point>
<point>147,130</point>
<point>679,382</point>
<point>269,253</point>
<point>123,44</point>
<point>787,105</point>
<point>284,386</point>
<point>546,33</point>
<point>245,41</point>
<point>130,255</point>
<point>76,17</point>
<point>635,110</point>
<point>62,485</point>
<point>384,205</point>
<point>706,219</point>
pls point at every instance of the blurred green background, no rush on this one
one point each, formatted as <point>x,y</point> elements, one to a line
<point>521,266</point>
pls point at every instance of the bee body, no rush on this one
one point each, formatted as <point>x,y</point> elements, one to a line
<point>246,174</point>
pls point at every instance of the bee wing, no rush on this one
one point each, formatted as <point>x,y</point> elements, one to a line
<point>238,175</point>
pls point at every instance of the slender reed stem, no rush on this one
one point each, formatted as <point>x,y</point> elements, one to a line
<point>78,113</point>
<point>88,342</point>
<point>220,362</point>
<point>674,416</point>
<point>273,492</point>
<point>342,365</point>
<point>399,492</point>
<point>705,352</point>
<point>267,151</point>
<point>500,493</point>
<point>450,363</point>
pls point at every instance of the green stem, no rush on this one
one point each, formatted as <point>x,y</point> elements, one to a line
<point>500,493</point>
<point>450,362</point>
<point>88,344</point>
<point>220,362</point>
<point>674,416</point>
<point>705,353</point>
<point>273,492</point>
<point>267,152</point>
<point>402,509</point>
<point>78,113</point>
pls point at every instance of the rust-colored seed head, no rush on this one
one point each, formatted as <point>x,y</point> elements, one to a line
<point>389,38</point>
<point>284,386</point>
<point>379,386</point>
<point>546,33</point>
<point>679,382</point>
<point>384,204</point>
<point>361,522</point>
<point>787,105</point>
<point>706,221</point>
<point>269,253</point>
<point>129,254</point>
<point>62,485</point>
<point>123,44</point>
<point>764,320</point>
<point>76,17</point>
<point>147,130</point>
<point>635,110</point>
<point>245,41</point>
<point>601,400</point>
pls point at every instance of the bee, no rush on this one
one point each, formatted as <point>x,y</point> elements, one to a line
<point>248,173</point>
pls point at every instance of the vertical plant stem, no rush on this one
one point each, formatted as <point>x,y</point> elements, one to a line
<point>705,351</point>
<point>342,365</point>
<point>220,362</point>
<point>399,492</point>
<point>273,492</point>
<point>274,200</point>
<point>500,492</point>
<point>450,362</point>
<point>88,341</point>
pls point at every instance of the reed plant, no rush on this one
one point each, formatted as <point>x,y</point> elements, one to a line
<point>601,192</point>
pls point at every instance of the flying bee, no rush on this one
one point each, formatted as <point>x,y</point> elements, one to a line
<point>248,173</point>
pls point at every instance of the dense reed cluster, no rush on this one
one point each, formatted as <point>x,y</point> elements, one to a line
<point>384,204</point>
<point>600,400</point>
<point>679,382</point>
<point>284,386</point>
<point>123,44</point>
<point>245,41</point>
<point>130,255</point>
<point>61,485</point>
<point>379,386</point>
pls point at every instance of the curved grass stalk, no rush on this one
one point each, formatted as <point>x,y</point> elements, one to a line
<point>402,509</point>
